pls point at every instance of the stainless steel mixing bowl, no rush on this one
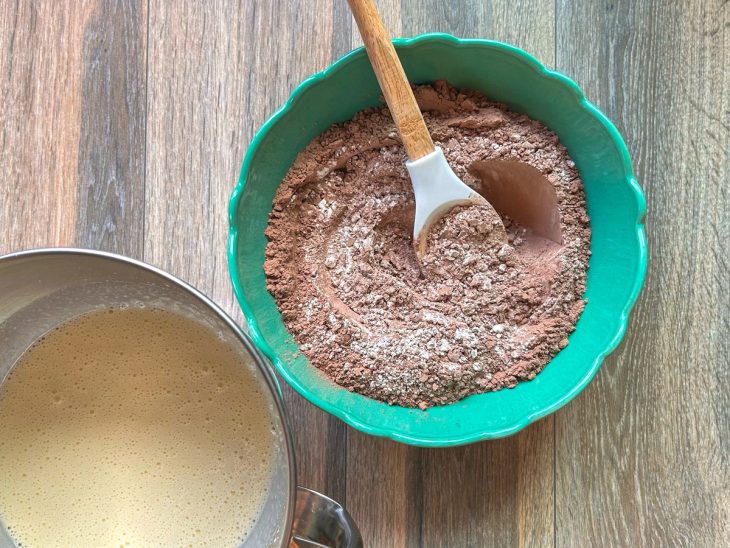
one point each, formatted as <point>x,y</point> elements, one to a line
<point>40,289</point>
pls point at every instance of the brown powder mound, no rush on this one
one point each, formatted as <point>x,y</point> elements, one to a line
<point>477,314</point>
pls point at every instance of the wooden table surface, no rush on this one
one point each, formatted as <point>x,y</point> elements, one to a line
<point>123,125</point>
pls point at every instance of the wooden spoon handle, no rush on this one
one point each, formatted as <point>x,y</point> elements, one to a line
<point>392,79</point>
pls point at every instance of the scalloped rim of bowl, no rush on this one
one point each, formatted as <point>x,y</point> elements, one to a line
<point>520,422</point>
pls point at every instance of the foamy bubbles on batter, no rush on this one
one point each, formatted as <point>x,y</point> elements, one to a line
<point>132,427</point>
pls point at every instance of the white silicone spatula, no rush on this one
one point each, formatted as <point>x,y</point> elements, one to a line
<point>436,187</point>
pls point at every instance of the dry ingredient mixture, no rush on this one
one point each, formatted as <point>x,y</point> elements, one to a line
<point>477,314</point>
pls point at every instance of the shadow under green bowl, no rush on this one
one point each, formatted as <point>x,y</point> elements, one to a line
<point>615,204</point>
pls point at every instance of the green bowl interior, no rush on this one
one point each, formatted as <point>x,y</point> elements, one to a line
<point>615,205</point>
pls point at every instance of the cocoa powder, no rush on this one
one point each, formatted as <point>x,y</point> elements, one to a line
<point>478,313</point>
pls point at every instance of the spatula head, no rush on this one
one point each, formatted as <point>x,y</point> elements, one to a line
<point>437,189</point>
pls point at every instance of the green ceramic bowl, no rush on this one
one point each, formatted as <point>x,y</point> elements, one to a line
<point>615,204</point>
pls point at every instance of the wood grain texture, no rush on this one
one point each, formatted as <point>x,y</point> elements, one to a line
<point>643,453</point>
<point>110,178</point>
<point>390,12</point>
<point>383,493</point>
<point>123,125</point>
<point>40,111</point>
<point>490,494</point>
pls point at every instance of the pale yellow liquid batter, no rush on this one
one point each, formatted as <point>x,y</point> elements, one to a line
<point>132,428</point>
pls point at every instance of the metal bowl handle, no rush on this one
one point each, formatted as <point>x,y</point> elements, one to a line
<point>320,522</point>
